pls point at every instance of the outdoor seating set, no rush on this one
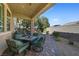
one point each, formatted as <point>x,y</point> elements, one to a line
<point>20,44</point>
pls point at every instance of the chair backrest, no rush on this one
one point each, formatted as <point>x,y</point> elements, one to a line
<point>11,43</point>
<point>34,40</point>
<point>40,42</point>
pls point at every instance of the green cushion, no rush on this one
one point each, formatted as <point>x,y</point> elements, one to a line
<point>39,42</point>
<point>34,39</point>
<point>18,43</point>
<point>17,36</point>
<point>21,49</point>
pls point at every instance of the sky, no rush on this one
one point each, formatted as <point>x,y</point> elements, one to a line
<point>62,13</point>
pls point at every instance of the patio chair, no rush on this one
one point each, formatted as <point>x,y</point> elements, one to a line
<point>35,34</point>
<point>17,35</point>
<point>17,47</point>
<point>37,44</point>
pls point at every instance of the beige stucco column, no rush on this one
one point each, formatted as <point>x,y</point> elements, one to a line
<point>5,16</point>
<point>12,24</point>
<point>32,26</point>
<point>6,8</point>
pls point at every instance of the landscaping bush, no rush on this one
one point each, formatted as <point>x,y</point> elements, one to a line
<point>47,32</point>
<point>56,35</point>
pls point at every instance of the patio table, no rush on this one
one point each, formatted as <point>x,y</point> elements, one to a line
<point>26,39</point>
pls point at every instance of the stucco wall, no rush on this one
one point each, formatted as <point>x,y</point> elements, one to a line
<point>3,37</point>
<point>66,28</point>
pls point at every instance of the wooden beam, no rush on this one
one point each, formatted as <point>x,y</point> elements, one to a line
<point>7,7</point>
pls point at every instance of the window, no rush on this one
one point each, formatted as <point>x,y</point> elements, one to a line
<point>8,21</point>
<point>1,17</point>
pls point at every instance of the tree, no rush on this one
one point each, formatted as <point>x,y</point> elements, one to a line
<point>41,23</point>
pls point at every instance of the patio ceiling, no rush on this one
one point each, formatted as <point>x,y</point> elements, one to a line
<point>28,10</point>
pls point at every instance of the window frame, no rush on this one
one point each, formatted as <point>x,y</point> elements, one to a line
<point>1,17</point>
<point>8,20</point>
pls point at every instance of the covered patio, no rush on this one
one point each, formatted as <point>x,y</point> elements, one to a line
<point>21,11</point>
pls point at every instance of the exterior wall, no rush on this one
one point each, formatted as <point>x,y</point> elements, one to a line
<point>3,37</point>
<point>5,34</point>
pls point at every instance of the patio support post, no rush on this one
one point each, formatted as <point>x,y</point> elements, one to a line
<point>32,26</point>
<point>5,17</point>
<point>12,24</point>
<point>6,8</point>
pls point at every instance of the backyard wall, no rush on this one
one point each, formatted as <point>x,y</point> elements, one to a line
<point>3,37</point>
<point>69,32</point>
<point>70,36</point>
<point>68,28</point>
<point>74,37</point>
<point>65,28</point>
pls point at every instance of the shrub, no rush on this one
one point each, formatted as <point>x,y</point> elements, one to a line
<point>56,35</point>
<point>47,32</point>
